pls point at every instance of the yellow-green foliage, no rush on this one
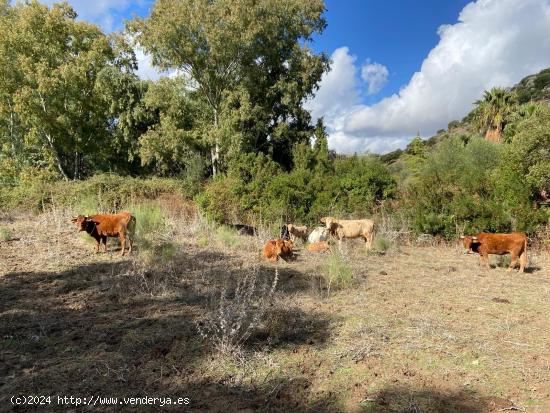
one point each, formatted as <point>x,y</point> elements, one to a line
<point>100,193</point>
<point>5,234</point>
<point>338,273</point>
<point>228,236</point>
<point>382,244</point>
<point>150,222</point>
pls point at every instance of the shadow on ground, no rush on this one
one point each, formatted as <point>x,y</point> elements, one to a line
<point>403,399</point>
<point>117,329</point>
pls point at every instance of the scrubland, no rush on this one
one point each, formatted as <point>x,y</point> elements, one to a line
<point>413,326</point>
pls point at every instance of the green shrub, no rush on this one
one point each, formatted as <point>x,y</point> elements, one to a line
<point>228,236</point>
<point>382,244</point>
<point>5,234</point>
<point>337,273</point>
<point>100,193</point>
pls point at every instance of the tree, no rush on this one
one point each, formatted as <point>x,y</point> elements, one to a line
<point>48,85</point>
<point>492,112</point>
<point>241,54</point>
<point>171,141</point>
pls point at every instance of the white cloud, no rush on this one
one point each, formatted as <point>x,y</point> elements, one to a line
<point>375,75</point>
<point>494,43</point>
<point>101,12</point>
<point>146,70</point>
<point>338,91</point>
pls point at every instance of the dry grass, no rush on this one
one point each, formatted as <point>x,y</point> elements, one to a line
<point>421,329</point>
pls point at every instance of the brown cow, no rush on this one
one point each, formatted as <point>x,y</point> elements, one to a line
<point>101,226</point>
<point>273,249</point>
<point>485,244</point>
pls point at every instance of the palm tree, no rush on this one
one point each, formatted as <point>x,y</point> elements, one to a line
<point>492,112</point>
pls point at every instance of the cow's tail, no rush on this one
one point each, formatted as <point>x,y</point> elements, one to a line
<point>523,257</point>
<point>131,225</point>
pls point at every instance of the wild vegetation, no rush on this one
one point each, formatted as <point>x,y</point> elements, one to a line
<point>412,325</point>
<point>228,128</point>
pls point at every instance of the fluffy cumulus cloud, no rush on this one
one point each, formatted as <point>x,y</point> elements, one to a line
<point>375,75</point>
<point>494,43</point>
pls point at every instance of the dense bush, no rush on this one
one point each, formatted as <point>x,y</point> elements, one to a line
<point>469,187</point>
<point>104,192</point>
<point>257,187</point>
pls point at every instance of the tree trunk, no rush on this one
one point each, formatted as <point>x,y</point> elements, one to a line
<point>494,135</point>
<point>56,156</point>
<point>215,150</point>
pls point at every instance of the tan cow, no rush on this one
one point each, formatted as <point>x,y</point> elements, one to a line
<point>484,244</point>
<point>297,232</point>
<point>101,226</point>
<point>350,228</point>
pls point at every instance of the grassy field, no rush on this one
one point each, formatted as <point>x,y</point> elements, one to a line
<point>414,329</point>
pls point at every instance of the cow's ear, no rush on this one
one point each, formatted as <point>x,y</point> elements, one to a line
<point>474,238</point>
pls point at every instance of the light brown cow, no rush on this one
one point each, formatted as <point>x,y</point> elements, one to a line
<point>101,226</point>
<point>351,228</point>
<point>297,232</point>
<point>484,244</point>
<point>275,248</point>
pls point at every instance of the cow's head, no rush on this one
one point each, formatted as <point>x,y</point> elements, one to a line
<point>330,223</point>
<point>80,222</point>
<point>468,242</point>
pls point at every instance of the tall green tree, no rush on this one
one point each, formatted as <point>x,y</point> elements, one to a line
<point>49,75</point>
<point>249,62</point>
<point>492,112</point>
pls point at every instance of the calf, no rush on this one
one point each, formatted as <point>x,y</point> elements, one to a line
<point>319,246</point>
<point>273,249</point>
<point>484,244</point>
<point>101,226</point>
<point>243,229</point>
<point>297,232</point>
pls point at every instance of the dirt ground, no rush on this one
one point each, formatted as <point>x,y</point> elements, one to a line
<point>421,329</point>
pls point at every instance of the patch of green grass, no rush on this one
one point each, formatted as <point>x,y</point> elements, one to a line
<point>150,220</point>
<point>338,273</point>
<point>5,234</point>
<point>86,206</point>
<point>382,244</point>
<point>228,237</point>
<point>203,241</point>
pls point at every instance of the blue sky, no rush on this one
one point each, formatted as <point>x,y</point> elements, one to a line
<point>399,67</point>
<point>398,34</point>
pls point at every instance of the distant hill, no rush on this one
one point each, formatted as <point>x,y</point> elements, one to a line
<point>534,87</point>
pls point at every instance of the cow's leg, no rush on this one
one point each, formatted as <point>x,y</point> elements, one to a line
<point>97,244</point>
<point>513,261</point>
<point>130,242</point>
<point>104,239</point>
<point>368,240</point>
<point>484,260</point>
<point>523,261</point>
<point>122,239</point>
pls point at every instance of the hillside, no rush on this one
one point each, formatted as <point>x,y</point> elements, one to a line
<point>535,88</point>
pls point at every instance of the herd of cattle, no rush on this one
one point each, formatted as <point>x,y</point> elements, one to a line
<point>122,225</point>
